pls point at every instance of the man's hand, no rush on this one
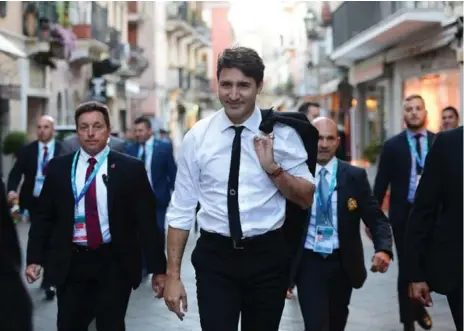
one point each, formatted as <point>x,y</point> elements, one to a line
<point>174,293</point>
<point>157,283</point>
<point>12,195</point>
<point>264,147</point>
<point>33,272</point>
<point>420,292</point>
<point>380,262</point>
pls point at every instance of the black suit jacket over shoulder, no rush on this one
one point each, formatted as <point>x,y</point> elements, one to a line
<point>131,210</point>
<point>355,202</point>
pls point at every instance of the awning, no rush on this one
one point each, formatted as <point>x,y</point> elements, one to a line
<point>6,46</point>
<point>330,86</point>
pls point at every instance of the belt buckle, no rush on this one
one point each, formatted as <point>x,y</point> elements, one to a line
<point>237,245</point>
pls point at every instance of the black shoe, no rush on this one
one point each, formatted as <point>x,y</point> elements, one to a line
<point>50,293</point>
<point>425,321</point>
<point>409,327</point>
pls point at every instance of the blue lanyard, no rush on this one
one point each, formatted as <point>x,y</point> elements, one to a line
<point>419,160</point>
<point>326,207</point>
<point>78,198</point>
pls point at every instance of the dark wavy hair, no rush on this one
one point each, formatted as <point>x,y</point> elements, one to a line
<point>245,59</point>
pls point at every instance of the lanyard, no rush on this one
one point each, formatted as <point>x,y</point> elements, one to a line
<point>78,198</point>
<point>420,161</point>
<point>326,207</point>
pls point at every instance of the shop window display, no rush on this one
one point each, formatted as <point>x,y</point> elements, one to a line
<point>439,90</point>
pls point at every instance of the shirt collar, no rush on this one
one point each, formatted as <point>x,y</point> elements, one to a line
<point>329,166</point>
<point>150,141</point>
<point>50,144</point>
<point>252,123</point>
<point>84,156</point>
<point>423,133</point>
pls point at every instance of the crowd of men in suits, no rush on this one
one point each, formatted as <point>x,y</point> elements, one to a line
<point>276,209</point>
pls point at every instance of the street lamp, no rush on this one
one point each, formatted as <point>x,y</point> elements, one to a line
<point>310,21</point>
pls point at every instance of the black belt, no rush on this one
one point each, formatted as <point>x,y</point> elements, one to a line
<point>85,249</point>
<point>244,243</point>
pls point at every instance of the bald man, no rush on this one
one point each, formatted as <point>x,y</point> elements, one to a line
<point>332,259</point>
<point>32,163</point>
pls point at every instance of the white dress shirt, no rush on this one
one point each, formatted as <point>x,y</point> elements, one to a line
<point>39,177</point>
<point>148,156</point>
<point>309,244</point>
<point>102,198</point>
<point>203,174</point>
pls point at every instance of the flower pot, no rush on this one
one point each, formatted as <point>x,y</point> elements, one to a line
<point>82,31</point>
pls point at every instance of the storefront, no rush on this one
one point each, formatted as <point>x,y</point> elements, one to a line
<point>431,69</point>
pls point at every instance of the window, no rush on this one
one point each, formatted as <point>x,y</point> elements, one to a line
<point>3,5</point>
<point>59,109</point>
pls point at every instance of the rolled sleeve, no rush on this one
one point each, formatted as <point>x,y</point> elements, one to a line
<point>181,211</point>
<point>290,153</point>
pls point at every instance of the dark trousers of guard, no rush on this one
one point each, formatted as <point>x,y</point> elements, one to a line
<point>410,310</point>
<point>247,279</point>
<point>324,292</point>
<point>47,277</point>
<point>96,287</point>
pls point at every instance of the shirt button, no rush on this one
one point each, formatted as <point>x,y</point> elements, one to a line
<point>232,192</point>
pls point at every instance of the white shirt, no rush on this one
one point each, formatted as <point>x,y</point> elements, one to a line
<point>102,198</point>
<point>309,244</point>
<point>148,156</point>
<point>39,175</point>
<point>203,174</point>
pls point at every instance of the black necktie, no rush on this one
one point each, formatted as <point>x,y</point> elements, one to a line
<point>143,153</point>
<point>232,188</point>
<point>419,153</point>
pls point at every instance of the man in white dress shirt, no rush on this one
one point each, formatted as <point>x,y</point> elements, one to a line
<point>241,178</point>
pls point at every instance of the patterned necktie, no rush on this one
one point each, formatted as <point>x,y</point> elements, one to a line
<point>92,221</point>
<point>323,191</point>
<point>44,163</point>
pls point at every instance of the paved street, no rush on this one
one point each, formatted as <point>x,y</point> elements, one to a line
<point>374,307</point>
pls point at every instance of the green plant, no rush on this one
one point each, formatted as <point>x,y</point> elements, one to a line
<point>13,142</point>
<point>372,151</point>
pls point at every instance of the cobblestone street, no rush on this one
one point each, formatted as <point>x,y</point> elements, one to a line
<point>374,307</point>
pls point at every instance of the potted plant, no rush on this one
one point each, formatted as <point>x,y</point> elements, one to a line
<point>372,151</point>
<point>13,142</point>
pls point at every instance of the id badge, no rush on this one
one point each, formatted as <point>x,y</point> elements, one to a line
<point>80,230</point>
<point>39,181</point>
<point>323,241</point>
<point>418,178</point>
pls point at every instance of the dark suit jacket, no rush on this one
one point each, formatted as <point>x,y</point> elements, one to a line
<point>163,169</point>
<point>26,164</point>
<point>16,310</point>
<point>71,144</point>
<point>394,170</point>
<point>352,183</point>
<point>131,209</point>
<point>434,230</point>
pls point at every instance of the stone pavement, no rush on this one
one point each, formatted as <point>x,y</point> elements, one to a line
<point>374,307</point>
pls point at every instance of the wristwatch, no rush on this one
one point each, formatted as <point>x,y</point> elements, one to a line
<point>277,172</point>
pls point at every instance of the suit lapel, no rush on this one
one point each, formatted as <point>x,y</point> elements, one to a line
<point>35,157</point>
<point>57,150</point>
<point>111,182</point>
<point>407,153</point>
<point>342,192</point>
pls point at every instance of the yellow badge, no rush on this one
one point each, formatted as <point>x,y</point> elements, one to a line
<point>352,204</point>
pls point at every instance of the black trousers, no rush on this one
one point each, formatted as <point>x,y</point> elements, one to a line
<point>16,306</point>
<point>251,282</point>
<point>324,292</point>
<point>96,287</point>
<point>455,303</point>
<point>410,310</point>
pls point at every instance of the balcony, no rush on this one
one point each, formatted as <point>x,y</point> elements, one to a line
<point>135,11</point>
<point>184,23</point>
<point>137,62</point>
<point>90,25</point>
<point>361,29</point>
<point>45,37</point>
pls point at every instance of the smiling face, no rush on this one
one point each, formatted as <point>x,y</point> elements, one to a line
<point>449,120</point>
<point>237,94</point>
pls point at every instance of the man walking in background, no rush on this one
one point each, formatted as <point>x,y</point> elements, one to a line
<point>400,168</point>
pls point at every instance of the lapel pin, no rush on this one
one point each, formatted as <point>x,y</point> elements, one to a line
<point>113,165</point>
